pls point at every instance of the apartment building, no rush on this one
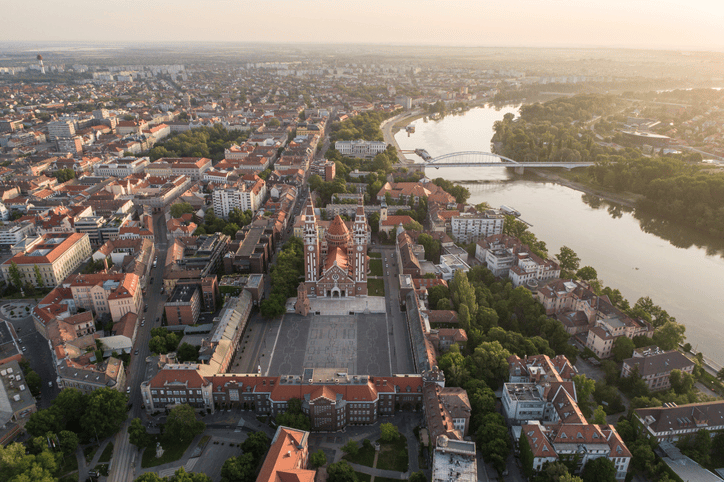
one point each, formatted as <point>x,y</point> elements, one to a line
<point>122,167</point>
<point>360,148</point>
<point>61,128</point>
<point>609,326</point>
<point>529,268</point>
<point>654,366</point>
<point>245,196</point>
<point>191,167</point>
<point>15,399</point>
<point>13,233</point>
<point>468,228</point>
<point>114,294</point>
<point>90,377</point>
<point>184,305</point>
<point>50,260</point>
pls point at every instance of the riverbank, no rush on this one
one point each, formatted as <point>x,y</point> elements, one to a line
<point>627,199</point>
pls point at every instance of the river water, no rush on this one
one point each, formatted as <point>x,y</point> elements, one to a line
<point>681,271</point>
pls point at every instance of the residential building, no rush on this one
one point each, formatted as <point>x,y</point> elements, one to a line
<point>61,128</point>
<point>603,333</point>
<point>506,256</point>
<point>15,399</point>
<point>242,197</point>
<point>449,265</point>
<point>191,167</point>
<point>468,228</point>
<point>255,250</point>
<point>89,377</point>
<point>672,422</point>
<point>50,260</point>
<point>406,259</point>
<point>454,460</point>
<point>13,233</point>
<point>194,257</point>
<point>9,345</point>
<point>406,191</point>
<point>184,305</point>
<point>113,294</point>
<point>531,269</point>
<point>654,366</point>
<point>287,457</point>
<point>360,148</point>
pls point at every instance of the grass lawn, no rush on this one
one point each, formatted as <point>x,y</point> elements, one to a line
<point>376,287</point>
<point>107,453</point>
<point>69,478</point>
<point>90,452</point>
<point>172,452</point>
<point>375,255</point>
<point>386,479</point>
<point>393,456</point>
<point>364,477</point>
<point>365,456</point>
<point>376,267</point>
<point>69,464</point>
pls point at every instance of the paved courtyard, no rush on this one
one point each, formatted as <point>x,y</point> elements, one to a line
<point>357,343</point>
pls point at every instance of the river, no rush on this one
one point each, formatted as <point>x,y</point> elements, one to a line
<point>681,271</point>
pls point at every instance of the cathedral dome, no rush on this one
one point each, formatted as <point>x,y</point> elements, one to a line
<point>338,228</point>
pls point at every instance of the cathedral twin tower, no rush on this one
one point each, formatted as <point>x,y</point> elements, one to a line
<point>336,265</point>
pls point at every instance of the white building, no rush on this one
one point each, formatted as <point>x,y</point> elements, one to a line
<point>121,167</point>
<point>454,460</point>
<point>243,198</point>
<point>532,267</point>
<point>11,234</point>
<point>61,128</point>
<point>360,148</point>
<point>449,264</point>
<point>470,228</point>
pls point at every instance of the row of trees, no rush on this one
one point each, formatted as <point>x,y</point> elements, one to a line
<point>285,277</point>
<point>214,224</point>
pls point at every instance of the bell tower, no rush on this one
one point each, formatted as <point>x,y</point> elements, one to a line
<point>359,241</point>
<point>311,249</point>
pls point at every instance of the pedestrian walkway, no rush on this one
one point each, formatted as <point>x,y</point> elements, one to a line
<point>83,467</point>
<point>390,474</point>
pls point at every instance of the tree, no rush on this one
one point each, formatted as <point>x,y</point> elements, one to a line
<point>599,416</point>
<point>599,470</point>
<point>570,478</point>
<point>187,353</point>
<point>181,424</point>
<point>584,389</point>
<point>181,208</point>
<point>38,277</point>
<point>239,469</point>
<point>318,458</point>
<point>34,382</point>
<point>351,448</point>
<point>669,335</point>
<point>587,273</point>
<point>412,226</point>
<point>623,348</point>
<point>568,259</point>
<point>68,442</point>
<point>64,175</point>
<point>418,476</point>
<point>388,432</point>
<point>256,444</point>
<point>138,435</point>
<point>43,421</point>
<point>463,292</point>
<point>681,382</point>
<point>16,466</point>
<point>104,413</point>
<point>491,361</point>
<point>341,472</point>
<point>182,476</point>
<point>14,273</point>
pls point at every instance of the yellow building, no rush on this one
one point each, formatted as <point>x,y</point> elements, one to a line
<point>112,293</point>
<point>56,255</point>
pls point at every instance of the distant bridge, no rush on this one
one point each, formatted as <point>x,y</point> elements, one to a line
<point>482,159</point>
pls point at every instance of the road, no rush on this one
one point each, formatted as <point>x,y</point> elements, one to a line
<point>400,349</point>
<point>125,454</point>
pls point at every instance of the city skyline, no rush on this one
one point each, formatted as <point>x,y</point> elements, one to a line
<point>673,24</point>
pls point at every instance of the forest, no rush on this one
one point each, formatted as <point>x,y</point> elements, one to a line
<point>363,126</point>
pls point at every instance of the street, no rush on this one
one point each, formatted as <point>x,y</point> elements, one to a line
<point>124,456</point>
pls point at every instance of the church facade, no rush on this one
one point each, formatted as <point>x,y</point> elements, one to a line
<point>335,266</point>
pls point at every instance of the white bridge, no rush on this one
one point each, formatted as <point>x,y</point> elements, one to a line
<point>483,159</point>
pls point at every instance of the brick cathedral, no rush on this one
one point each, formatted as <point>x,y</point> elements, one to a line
<point>336,265</point>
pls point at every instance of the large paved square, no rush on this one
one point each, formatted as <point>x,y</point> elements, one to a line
<point>357,343</point>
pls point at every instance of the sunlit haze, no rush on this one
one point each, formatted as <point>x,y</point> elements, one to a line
<point>678,24</point>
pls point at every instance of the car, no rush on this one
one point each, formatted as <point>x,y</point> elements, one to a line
<point>128,390</point>
<point>151,280</point>
<point>387,266</point>
<point>50,384</point>
<point>388,273</point>
<point>135,352</point>
<point>158,319</point>
<point>145,308</point>
<point>24,349</point>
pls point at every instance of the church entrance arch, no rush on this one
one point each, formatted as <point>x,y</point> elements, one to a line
<point>335,293</point>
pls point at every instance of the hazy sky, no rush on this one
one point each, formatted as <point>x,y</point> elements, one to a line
<point>677,24</point>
